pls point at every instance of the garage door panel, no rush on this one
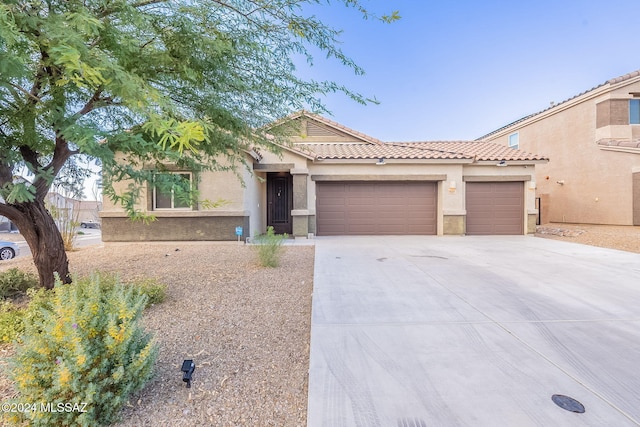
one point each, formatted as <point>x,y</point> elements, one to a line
<point>370,208</point>
<point>495,207</point>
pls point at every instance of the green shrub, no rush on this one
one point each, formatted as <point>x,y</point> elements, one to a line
<point>82,344</point>
<point>269,247</point>
<point>14,282</point>
<point>11,321</point>
<point>155,292</point>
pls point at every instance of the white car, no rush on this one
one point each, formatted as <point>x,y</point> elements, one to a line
<point>8,250</point>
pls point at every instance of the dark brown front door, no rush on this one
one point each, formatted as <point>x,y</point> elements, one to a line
<point>279,201</point>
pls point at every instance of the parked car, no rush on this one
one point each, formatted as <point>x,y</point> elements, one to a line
<point>90,224</point>
<point>8,250</point>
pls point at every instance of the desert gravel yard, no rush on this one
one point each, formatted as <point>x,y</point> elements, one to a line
<point>246,327</point>
<point>621,237</point>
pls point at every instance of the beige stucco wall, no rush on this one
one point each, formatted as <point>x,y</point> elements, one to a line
<point>582,183</point>
<point>201,223</point>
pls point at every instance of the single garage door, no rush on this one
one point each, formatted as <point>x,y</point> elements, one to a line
<point>495,207</point>
<point>375,208</point>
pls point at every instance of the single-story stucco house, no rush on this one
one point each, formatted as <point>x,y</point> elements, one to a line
<point>332,180</point>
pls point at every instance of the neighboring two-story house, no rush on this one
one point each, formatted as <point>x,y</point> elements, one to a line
<point>593,142</point>
<point>332,180</point>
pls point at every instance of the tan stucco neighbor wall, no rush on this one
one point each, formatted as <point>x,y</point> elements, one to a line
<point>584,182</point>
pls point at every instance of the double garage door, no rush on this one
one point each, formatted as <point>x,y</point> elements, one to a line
<point>388,208</point>
<point>376,208</point>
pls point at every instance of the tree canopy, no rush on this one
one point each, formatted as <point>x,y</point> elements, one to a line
<point>155,82</point>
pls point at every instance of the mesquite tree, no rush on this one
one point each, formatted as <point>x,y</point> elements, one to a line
<point>139,84</point>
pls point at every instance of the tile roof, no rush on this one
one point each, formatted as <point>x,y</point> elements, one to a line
<point>375,151</point>
<point>615,80</point>
<point>430,150</point>
<point>481,151</point>
<point>330,123</point>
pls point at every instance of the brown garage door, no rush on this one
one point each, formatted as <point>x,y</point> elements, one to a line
<point>375,208</point>
<point>495,207</point>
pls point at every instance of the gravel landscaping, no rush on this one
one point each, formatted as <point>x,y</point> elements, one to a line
<point>621,237</point>
<point>245,326</point>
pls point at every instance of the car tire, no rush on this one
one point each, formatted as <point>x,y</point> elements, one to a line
<point>83,225</point>
<point>7,253</point>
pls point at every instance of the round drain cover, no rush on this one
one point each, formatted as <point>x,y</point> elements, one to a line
<point>567,403</point>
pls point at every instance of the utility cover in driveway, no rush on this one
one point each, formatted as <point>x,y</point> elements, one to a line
<point>375,208</point>
<point>495,208</point>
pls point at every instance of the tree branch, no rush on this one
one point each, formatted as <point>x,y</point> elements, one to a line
<point>9,211</point>
<point>61,154</point>
<point>109,11</point>
<point>31,158</point>
<point>90,105</point>
<point>29,94</point>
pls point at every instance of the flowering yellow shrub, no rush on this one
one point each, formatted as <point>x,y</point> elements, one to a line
<point>82,354</point>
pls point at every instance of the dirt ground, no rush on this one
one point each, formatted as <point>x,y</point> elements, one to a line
<point>246,327</point>
<point>621,237</point>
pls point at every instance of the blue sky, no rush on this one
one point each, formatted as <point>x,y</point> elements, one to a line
<point>460,69</point>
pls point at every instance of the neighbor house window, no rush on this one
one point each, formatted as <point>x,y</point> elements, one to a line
<point>514,141</point>
<point>172,191</point>
<point>634,111</point>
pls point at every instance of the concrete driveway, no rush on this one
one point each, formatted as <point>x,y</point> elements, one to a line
<point>473,331</point>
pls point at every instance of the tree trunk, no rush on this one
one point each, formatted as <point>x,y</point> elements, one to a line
<point>45,241</point>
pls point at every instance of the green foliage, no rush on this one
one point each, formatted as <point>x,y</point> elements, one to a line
<point>161,82</point>
<point>268,247</point>
<point>11,321</point>
<point>20,283</point>
<point>138,85</point>
<point>155,293</point>
<point>82,344</point>
<point>15,282</point>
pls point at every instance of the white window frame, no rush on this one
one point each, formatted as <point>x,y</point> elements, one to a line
<point>516,136</point>
<point>172,208</point>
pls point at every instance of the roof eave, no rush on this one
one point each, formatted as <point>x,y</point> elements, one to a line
<point>496,162</point>
<point>388,161</point>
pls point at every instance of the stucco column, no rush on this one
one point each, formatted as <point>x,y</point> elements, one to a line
<point>300,212</point>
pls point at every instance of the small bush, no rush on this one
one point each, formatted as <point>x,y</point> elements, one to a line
<point>155,292</point>
<point>82,344</point>
<point>269,247</point>
<point>15,282</point>
<point>11,321</point>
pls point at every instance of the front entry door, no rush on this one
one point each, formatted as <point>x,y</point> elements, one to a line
<point>279,201</point>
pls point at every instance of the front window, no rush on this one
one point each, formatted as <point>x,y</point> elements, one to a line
<point>634,111</point>
<point>172,191</point>
<point>514,141</point>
